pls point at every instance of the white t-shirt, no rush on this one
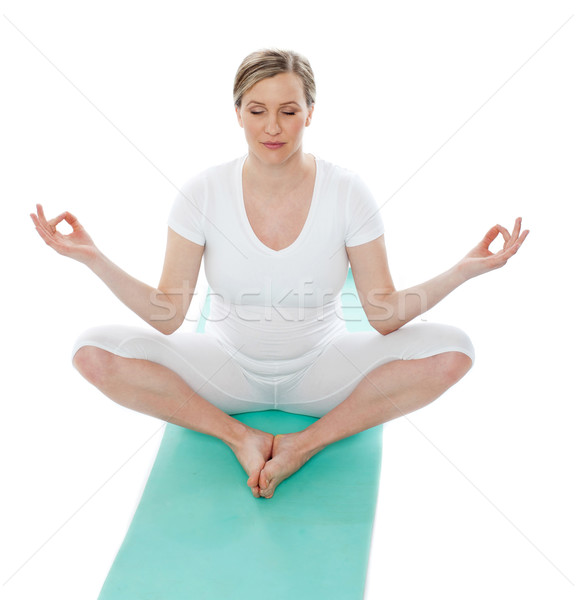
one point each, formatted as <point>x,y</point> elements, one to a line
<point>275,305</point>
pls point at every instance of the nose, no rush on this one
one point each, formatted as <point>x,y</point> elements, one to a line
<point>272,125</point>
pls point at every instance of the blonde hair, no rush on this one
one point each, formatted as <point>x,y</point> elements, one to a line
<point>269,62</point>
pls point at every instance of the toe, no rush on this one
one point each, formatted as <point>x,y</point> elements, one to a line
<point>266,493</point>
<point>264,481</point>
<point>267,485</point>
<point>253,479</point>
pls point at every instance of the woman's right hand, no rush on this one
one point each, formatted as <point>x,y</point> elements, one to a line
<point>77,244</point>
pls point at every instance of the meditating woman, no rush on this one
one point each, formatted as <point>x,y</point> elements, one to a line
<point>278,230</point>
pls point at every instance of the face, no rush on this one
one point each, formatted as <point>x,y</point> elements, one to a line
<point>274,116</point>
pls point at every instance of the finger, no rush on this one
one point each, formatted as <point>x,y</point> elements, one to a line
<point>517,226</point>
<point>54,222</point>
<point>516,230</point>
<point>523,237</point>
<point>46,236</point>
<point>49,225</point>
<point>505,233</point>
<point>41,216</point>
<point>507,253</point>
<point>490,236</point>
<point>40,226</point>
<point>516,245</point>
<point>72,221</point>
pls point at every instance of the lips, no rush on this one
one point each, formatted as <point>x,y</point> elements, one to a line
<point>273,145</point>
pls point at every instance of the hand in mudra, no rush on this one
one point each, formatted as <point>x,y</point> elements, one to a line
<point>481,260</point>
<point>77,244</point>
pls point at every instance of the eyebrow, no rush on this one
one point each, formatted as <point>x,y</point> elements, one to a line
<point>262,103</point>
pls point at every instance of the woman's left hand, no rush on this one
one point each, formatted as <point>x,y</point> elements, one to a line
<point>480,260</point>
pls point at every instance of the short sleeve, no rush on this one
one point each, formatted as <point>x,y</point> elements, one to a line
<point>364,221</point>
<point>186,216</point>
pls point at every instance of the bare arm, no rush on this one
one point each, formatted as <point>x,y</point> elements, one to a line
<point>388,309</point>
<point>163,307</point>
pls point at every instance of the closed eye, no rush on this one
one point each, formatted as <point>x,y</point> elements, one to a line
<point>261,112</point>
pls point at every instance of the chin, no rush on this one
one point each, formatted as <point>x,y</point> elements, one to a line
<point>277,157</point>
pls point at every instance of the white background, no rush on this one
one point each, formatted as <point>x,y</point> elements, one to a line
<point>458,116</point>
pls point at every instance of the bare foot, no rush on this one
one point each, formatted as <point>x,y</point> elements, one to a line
<point>287,458</point>
<point>252,452</point>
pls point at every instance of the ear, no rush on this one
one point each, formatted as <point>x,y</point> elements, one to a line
<point>309,117</point>
<point>239,117</point>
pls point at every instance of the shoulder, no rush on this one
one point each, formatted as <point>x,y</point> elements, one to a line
<point>222,174</point>
<point>210,186</point>
<point>342,177</point>
<point>333,171</point>
<point>346,184</point>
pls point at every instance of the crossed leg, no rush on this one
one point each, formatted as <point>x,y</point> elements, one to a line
<point>389,391</point>
<point>385,393</point>
<point>153,389</point>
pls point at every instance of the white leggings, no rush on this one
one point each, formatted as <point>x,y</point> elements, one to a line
<point>212,372</point>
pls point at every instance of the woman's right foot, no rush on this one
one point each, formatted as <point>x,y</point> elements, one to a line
<point>253,451</point>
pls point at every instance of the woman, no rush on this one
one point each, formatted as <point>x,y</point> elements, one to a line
<point>277,229</point>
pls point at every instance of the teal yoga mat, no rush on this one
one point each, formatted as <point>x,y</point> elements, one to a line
<point>199,534</point>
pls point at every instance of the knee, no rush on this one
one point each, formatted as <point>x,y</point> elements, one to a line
<point>453,366</point>
<point>94,364</point>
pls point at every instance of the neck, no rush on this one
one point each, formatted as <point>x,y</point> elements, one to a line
<point>277,177</point>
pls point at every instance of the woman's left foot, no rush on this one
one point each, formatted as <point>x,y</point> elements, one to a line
<point>287,458</point>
